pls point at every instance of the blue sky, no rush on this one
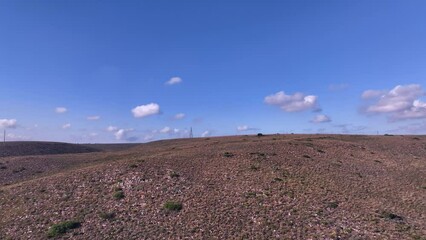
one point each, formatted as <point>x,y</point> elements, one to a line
<point>237,67</point>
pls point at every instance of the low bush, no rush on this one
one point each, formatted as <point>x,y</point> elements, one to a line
<point>173,206</point>
<point>61,228</point>
<point>118,195</point>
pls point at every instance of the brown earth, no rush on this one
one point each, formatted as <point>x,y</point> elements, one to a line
<point>244,187</point>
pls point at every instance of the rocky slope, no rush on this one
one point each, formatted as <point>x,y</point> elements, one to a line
<point>245,187</point>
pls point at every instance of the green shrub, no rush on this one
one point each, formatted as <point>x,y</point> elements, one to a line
<point>118,195</point>
<point>61,228</point>
<point>173,206</point>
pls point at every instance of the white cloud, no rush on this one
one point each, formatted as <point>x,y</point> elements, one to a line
<point>292,103</point>
<point>146,110</point>
<point>179,116</point>
<point>245,128</point>
<point>149,137</point>
<point>174,80</point>
<point>93,118</point>
<point>174,132</point>
<point>112,128</point>
<point>242,128</point>
<point>166,130</point>
<point>321,118</point>
<point>66,126</point>
<point>8,123</point>
<point>372,94</point>
<point>402,102</point>
<point>205,134</point>
<point>121,134</point>
<point>61,110</point>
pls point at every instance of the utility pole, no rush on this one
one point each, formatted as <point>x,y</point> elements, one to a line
<point>4,137</point>
<point>190,133</point>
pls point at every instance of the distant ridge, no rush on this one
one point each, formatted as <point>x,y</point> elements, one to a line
<point>42,148</point>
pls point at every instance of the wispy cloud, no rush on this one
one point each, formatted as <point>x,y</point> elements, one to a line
<point>14,137</point>
<point>66,126</point>
<point>244,128</point>
<point>166,130</point>
<point>93,118</point>
<point>121,134</point>
<point>402,102</point>
<point>179,116</point>
<point>8,123</point>
<point>206,134</point>
<point>146,110</point>
<point>292,103</point>
<point>174,80</point>
<point>61,110</point>
<point>111,128</point>
<point>321,118</point>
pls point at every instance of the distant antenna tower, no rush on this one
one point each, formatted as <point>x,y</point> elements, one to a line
<point>190,133</point>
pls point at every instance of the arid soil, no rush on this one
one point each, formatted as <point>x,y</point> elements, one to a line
<point>244,187</point>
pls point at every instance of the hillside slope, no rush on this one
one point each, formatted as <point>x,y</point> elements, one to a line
<point>42,148</point>
<point>245,187</point>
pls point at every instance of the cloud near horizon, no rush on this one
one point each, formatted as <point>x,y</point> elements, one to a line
<point>206,134</point>
<point>174,80</point>
<point>401,103</point>
<point>321,118</point>
<point>8,123</point>
<point>146,110</point>
<point>244,128</point>
<point>121,134</point>
<point>292,103</point>
<point>66,126</point>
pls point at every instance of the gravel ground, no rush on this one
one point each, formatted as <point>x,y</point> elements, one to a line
<point>245,187</point>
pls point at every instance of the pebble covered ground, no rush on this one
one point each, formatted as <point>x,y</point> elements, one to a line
<point>243,187</point>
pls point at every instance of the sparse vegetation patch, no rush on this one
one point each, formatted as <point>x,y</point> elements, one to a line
<point>61,228</point>
<point>228,154</point>
<point>390,216</point>
<point>173,206</point>
<point>333,204</point>
<point>254,167</point>
<point>107,215</point>
<point>118,194</point>
<point>174,175</point>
